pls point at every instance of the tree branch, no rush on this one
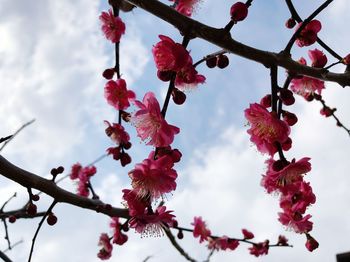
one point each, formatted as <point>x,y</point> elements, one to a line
<point>223,39</point>
<point>30,180</point>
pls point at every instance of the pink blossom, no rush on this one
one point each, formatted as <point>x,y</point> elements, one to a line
<point>238,11</point>
<point>150,124</point>
<point>296,221</point>
<point>318,58</point>
<point>113,27</point>
<point>188,78</point>
<point>306,86</point>
<point>118,237</point>
<point>266,129</point>
<point>117,95</point>
<point>200,229</point>
<point>308,35</point>
<point>152,223</point>
<point>186,7</point>
<point>222,243</point>
<point>154,177</point>
<point>297,197</point>
<point>259,249</point>
<point>168,55</point>
<point>134,203</point>
<point>289,173</point>
<point>106,247</point>
<point>83,175</point>
<point>247,234</point>
<point>75,171</point>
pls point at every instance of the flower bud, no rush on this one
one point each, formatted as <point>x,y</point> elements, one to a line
<point>211,62</point>
<point>287,97</point>
<point>222,61</point>
<point>239,11</point>
<point>290,23</point>
<point>108,73</point>
<point>179,97</point>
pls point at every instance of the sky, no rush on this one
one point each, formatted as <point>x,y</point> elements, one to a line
<point>52,54</point>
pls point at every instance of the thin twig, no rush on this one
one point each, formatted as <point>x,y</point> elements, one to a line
<point>15,244</point>
<point>7,238</point>
<point>38,229</point>
<point>177,246</point>
<point>16,133</point>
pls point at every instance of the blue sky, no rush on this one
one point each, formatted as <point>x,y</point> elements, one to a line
<point>52,55</point>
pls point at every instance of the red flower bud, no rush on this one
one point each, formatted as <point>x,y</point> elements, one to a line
<point>290,23</point>
<point>239,11</point>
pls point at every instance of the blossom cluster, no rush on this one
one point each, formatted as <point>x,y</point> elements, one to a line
<point>82,175</point>
<point>202,232</point>
<point>271,135</point>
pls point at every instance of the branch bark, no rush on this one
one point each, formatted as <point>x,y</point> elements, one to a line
<point>221,38</point>
<point>30,180</point>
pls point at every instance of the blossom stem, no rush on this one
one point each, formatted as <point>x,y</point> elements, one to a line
<point>185,42</point>
<point>116,45</point>
<point>274,87</point>
<point>285,86</point>
<point>303,25</point>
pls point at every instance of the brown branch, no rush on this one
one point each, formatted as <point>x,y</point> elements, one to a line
<point>4,257</point>
<point>31,180</point>
<point>223,39</point>
<point>16,133</point>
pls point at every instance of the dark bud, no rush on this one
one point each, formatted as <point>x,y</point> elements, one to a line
<point>12,219</point>
<point>180,234</point>
<point>31,209</point>
<point>290,23</point>
<point>164,75</point>
<point>290,118</point>
<point>51,219</point>
<point>125,159</point>
<point>60,169</point>
<point>223,61</point>
<point>35,197</point>
<point>127,145</point>
<point>266,101</point>
<point>108,73</point>
<point>54,172</point>
<point>211,62</point>
<point>310,97</point>
<point>179,97</point>
<point>287,97</point>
